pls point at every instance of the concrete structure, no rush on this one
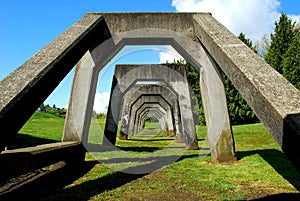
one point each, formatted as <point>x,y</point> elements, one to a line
<point>174,75</point>
<point>198,37</point>
<point>165,92</point>
<point>149,102</point>
<point>153,112</point>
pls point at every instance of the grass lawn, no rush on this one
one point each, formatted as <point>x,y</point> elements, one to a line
<point>261,171</point>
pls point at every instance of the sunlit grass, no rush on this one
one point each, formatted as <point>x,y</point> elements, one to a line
<point>261,169</point>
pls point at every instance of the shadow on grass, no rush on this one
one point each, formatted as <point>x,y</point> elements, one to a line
<point>88,189</point>
<point>280,197</point>
<point>150,140</point>
<point>25,140</point>
<point>279,162</point>
<point>99,148</point>
<point>43,187</point>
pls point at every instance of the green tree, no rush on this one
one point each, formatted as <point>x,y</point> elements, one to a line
<point>193,80</point>
<point>281,40</point>
<point>248,42</point>
<point>291,61</point>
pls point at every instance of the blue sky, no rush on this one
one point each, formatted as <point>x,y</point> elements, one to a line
<point>29,25</point>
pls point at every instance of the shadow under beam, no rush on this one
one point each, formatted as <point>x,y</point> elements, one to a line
<point>279,162</point>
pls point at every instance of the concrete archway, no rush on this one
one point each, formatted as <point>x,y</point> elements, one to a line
<point>174,75</point>
<point>273,98</point>
<point>154,89</point>
<point>148,102</point>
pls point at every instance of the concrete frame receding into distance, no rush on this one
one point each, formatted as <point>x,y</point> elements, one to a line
<point>165,92</point>
<point>125,78</point>
<point>138,109</point>
<point>198,37</point>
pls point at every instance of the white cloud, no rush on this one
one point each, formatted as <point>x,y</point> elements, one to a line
<point>169,55</point>
<point>101,102</point>
<point>252,17</point>
<point>295,18</point>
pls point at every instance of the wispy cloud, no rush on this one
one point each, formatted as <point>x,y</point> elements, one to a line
<point>295,18</point>
<point>168,55</point>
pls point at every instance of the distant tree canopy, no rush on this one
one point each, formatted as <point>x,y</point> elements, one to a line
<point>283,54</point>
<point>53,110</point>
<point>291,62</point>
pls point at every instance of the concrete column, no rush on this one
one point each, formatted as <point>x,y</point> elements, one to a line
<point>113,114</point>
<point>216,113</point>
<point>76,124</point>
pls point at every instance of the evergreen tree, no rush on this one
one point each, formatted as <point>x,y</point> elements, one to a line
<point>280,42</point>
<point>291,61</point>
<point>248,42</point>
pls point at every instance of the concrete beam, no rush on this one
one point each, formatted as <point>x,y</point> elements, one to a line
<point>26,88</point>
<point>274,100</point>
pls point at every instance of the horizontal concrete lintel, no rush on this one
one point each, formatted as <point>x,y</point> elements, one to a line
<point>41,148</point>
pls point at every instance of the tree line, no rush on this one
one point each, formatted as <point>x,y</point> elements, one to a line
<point>281,51</point>
<point>59,112</point>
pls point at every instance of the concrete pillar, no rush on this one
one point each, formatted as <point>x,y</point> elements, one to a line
<point>113,115</point>
<point>214,101</point>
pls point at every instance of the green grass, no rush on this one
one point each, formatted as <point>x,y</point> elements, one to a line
<point>261,169</point>
<point>41,128</point>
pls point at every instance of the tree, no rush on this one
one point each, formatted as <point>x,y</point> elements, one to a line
<point>248,42</point>
<point>291,61</point>
<point>193,80</point>
<point>281,40</point>
<point>263,45</point>
<point>239,111</point>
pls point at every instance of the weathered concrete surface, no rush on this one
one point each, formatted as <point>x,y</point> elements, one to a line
<point>214,102</point>
<point>20,161</point>
<point>26,88</point>
<point>274,100</point>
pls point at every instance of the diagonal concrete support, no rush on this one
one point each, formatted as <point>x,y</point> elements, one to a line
<point>25,89</point>
<point>274,100</point>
